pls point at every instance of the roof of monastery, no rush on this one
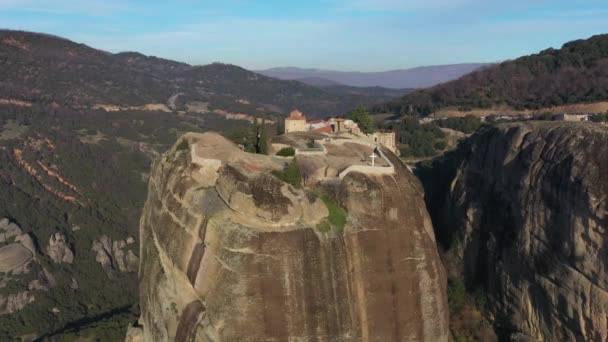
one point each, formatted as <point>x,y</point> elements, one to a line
<point>324,129</point>
<point>296,115</point>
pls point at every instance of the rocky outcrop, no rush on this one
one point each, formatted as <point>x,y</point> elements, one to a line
<point>16,248</point>
<point>8,230</point>
<point>17,255</point>
<point>231,253</point>
<point>15,302</point>
<point>114,255</point>
<point>59,250</point>
<point>530,202</point>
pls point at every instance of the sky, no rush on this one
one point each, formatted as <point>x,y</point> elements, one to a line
<point>347,35</point>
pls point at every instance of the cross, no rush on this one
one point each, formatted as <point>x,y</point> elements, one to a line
<point>373,156</point>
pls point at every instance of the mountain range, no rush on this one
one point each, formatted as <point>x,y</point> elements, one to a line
<point>551,80</point>
<point>419,77</point>
<point>44,69</point>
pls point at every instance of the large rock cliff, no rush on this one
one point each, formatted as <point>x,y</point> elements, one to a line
<point>530,202</point>
<point>229,252</point>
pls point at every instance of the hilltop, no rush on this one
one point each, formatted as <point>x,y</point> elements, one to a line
<point>577,73</point>
<point>235,250</point>
<point>49,70</point>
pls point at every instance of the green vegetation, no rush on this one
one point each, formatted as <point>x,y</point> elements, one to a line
<point>420,140</point>
<point>324,226</point>
<point>109,173</point>
<point>183,145</point>
<point>456,295</point>
<point>286,152</point>
<point>467,124</point>
<point>337,215</point>
<point>262,138</point>
<point>441,145</point>
<point>550,78</point>
<point>290,174</point>
<point>600,117</point>
<point>12,130</point>
<point>481,298</point>
<point>363,119</point>
<point>254,138</point>
<point>131,79</point>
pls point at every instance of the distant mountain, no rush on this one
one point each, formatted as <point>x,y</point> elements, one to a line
<point>575,74</point>
<point>420,77</point>
<point>372,92</point>
<point>318,82</point>
<point>372,95</point>
<point>45,69</point>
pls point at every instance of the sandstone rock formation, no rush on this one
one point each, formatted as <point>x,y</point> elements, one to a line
<point>231,253</point>
<point>59,250</point>
<point>530,202</point>
<point>17,254</point>
<point>16,248</point>
<point>114,255</point>
<point>8,230</point>
<point>15,302</point>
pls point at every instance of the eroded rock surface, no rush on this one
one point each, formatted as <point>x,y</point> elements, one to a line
<point>531,203</point>
<point>231,253</point>
<point>16,248</point>
<point>15,302</point>
<point>115,255</point>
<point>59,250</point>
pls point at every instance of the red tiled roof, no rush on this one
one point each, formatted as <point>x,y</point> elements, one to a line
<point>324,129</point>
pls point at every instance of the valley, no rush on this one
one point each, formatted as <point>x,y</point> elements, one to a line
<point>158,200</point>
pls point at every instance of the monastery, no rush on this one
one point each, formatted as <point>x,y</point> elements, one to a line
<point>296,122</point>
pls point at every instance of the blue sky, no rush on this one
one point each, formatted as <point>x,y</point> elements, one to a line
<point>363,35</point>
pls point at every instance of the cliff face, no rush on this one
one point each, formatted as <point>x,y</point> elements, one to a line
<point>231,253</point>
<point>530,203</point>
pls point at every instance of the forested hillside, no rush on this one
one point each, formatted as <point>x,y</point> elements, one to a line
<point>43,69</point>
<point>576,73</point>
<point>78,177</point>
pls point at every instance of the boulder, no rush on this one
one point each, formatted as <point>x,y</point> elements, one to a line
<point>114,255</point>
<point>102,249</point>
<point>26,241</point>
<point>9,230</point>
<point>13,257</point>
<point>59,250</point>
<point>15,302</point>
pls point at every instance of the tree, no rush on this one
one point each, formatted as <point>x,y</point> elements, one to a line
<point>363,119</point>
<point>262,139</point>
<point>290,174</point>
<point>286,152</point>
<point>599,117</point>
<point>280,126</point>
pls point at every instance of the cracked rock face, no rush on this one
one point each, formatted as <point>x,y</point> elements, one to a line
<point>531,201</point>
<point>231,253</point>
<point>114,255</point>
<point>59,250</point>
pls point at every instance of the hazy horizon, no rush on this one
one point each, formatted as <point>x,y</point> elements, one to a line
<point>340,35</point>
